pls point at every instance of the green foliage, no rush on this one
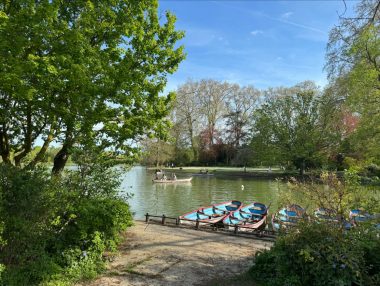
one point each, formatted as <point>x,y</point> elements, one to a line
<point>74,71</point>
<point>292,127</point>
<point>339,195</point>
<point>320,254</point>
<point>353,65</point>
<point>55,230</point>
<point>157,152</point>
<point>323,252</point>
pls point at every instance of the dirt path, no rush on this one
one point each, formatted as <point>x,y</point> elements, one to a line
<point>158,255</point>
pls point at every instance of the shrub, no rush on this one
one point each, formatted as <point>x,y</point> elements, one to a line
<point>53,231</point>
<point>320,254</point>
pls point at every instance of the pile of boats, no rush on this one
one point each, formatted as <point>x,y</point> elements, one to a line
<point>230,214</point>
<point>289,216</point>
<point>254,216</point>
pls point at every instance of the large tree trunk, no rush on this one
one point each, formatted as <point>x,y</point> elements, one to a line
<point>27,146</point>
<point>4,148</point>
<point>60,160</point>
<point>63,155</point>
<point>302,168</point>
<point>40,156</point>
<point>194,148</point>
<point>192,141</point>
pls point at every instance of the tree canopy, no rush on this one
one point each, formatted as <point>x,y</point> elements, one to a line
<point>83,72</point>
<point>353,63</point>
<point>292,127</point>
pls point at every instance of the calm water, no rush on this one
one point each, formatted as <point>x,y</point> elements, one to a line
<point>176,199</point>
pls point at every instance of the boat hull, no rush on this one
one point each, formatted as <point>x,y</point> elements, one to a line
<point>287,217</point>
<point>248,218</point>
<point>210,215</point>
<point>249,226</point>
<point>187,180</point>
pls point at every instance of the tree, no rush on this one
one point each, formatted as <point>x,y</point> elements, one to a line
<point>187,113</point>
<point>200,109</point>
<point>157,152</point>
<point>82,72</point>
<point>240,105</point>
<point>212,96</point>
<point>353,64</point>
<point>292,127</point>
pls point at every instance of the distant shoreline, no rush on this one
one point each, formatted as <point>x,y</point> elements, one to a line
<point>263,173</point>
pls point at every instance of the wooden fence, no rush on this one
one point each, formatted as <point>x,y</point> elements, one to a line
<point>237,230</point>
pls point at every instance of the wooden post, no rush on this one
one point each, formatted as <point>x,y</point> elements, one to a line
<point>163,219</point>
<point>177,221</point>
<point>236,229</point>
<point>197,224</point>
<point>146,218</point>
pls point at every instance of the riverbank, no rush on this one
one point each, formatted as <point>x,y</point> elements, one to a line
<point>265,172</point>
<point>159,255</point>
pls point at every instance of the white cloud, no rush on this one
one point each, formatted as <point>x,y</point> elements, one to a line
<point>286,15</point>
<point>256,32</point>
<point>303,26</point>
<point>284,18</point>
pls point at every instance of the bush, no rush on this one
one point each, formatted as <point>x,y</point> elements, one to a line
<point>320,254</point>
<point>54,231</point>
<point>372,170</point>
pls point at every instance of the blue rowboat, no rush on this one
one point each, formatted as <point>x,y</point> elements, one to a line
<point>211,214</point>
<point>249,217</point>
<point>252,212</point>
<point>256,209</point>
<point>358,216</point>
<point>287,216</point>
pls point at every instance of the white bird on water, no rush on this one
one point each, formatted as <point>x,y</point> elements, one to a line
<point>242,187</point>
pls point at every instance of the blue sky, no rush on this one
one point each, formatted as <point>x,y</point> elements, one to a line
<point>259,43</point>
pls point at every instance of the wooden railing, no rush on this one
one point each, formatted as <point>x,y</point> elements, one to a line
<point>163,218</point>
<point>237,230</point>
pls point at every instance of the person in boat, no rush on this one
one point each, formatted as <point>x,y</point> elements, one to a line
<point>164,178</point>
<point>157,174</point>
<point>174,177</point>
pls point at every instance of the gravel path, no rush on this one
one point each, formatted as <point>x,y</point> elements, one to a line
<point>158,255</point>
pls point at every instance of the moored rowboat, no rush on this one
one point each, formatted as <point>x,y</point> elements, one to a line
<point>287,217</point>
<point>358,216</point>
<point>211,214</point>
<point>325,215</point>
<point>248,218</point>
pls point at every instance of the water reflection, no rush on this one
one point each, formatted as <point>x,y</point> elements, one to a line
<point>176,199</point>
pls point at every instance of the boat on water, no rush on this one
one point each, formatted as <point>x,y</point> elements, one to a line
<point>249,217</point>
<point>287,216</point>
<point>172,181</point>
<point>211,214</point>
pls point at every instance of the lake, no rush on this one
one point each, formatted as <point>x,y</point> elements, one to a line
<point>176,199</point>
